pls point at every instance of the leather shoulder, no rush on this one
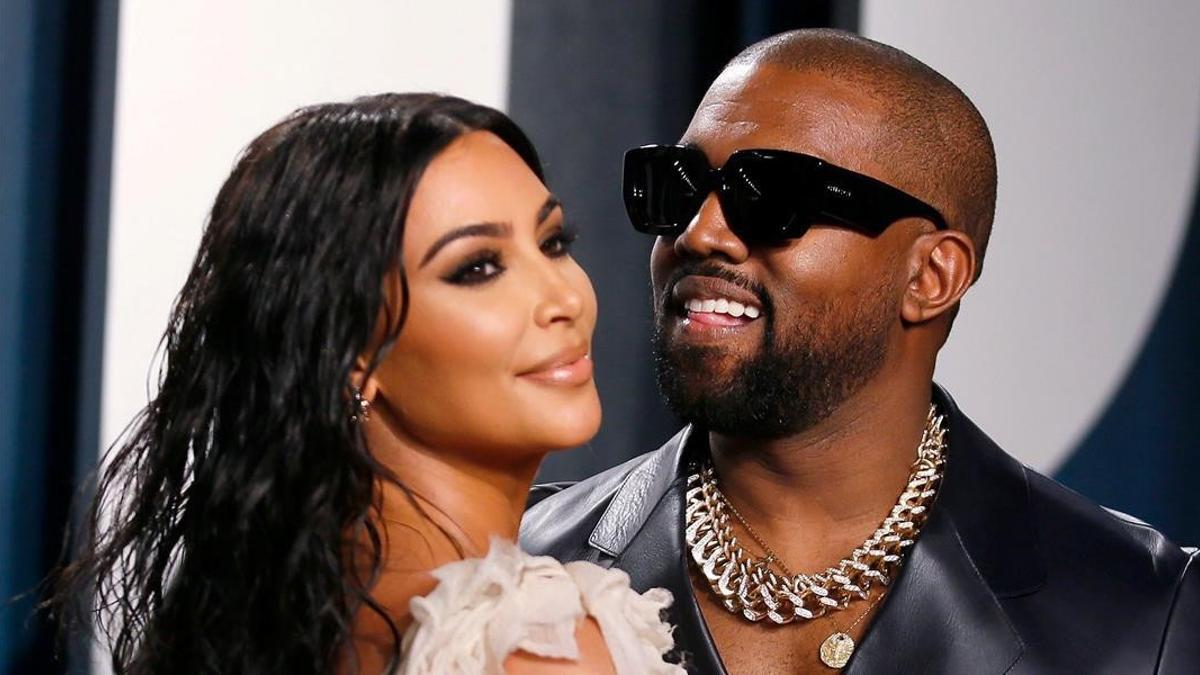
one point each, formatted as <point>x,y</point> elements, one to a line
<point>1111,599</point>
<point>542,490</point>
<point>1086,589</point>
<point>1076,532</point>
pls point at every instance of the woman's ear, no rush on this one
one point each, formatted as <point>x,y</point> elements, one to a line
<point>367,385</point>
<point>941,269</point>
<point>385,323</point>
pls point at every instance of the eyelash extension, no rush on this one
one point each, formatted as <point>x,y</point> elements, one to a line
<point>469,273</point>
<point>565,238</point>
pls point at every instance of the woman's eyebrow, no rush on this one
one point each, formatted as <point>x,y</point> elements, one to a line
<point>547,208</point>
<point>474,230</point>
<point>486,230</point>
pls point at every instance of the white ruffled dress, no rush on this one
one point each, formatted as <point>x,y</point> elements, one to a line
<point>484,609</point>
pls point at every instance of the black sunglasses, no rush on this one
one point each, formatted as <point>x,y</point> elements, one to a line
<point>765,195</point>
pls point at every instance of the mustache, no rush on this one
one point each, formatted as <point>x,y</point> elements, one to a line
<point>707,268</point>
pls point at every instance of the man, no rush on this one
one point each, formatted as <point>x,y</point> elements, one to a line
<point>827,211</point>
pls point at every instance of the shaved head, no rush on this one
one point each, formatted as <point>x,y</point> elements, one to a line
<point>933,137</point>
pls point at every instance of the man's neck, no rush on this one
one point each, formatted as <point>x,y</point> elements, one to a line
<point>816,494</point>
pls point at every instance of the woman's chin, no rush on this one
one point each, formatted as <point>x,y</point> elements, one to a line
<point>572,427</point>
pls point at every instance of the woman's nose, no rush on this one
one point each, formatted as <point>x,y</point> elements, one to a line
<point>561,300</point>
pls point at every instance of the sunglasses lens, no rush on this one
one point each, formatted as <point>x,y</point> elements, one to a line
<point>663,189</point>
<point>766,199</point>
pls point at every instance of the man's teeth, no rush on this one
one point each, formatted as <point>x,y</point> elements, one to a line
<point>723,306</point>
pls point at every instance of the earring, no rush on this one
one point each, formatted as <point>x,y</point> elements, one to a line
<point>360,407</point>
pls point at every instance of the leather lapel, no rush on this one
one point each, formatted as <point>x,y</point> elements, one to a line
<point>943,614</point>
<point>940,616</point>
<point>642,529</point>
<point>655,558</point>
<point>639,493</point>
<point>986,493</point>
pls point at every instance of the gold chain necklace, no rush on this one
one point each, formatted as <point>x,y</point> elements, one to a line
<point>747,585</point>
<point>836,650</point>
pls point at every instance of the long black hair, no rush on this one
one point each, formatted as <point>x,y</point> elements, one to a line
<point>217,538</point>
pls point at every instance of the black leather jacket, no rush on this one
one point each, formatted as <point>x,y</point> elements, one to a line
<point>1013,573</point>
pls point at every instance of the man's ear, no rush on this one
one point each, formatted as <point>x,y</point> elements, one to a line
<point>941,269</point>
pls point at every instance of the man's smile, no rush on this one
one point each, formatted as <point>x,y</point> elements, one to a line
<point>711,307</point>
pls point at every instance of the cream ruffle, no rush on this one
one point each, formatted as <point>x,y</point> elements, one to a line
<point>484,609</point>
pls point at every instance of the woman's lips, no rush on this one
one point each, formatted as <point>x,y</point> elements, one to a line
<point>575,372</point>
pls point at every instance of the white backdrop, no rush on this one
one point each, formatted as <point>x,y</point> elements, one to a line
<point>1094,106</point>
<point>196,81</point>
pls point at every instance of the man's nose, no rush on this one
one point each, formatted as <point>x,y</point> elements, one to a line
<point>708,235</point>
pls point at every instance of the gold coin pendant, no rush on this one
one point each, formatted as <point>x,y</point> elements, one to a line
<point>836,650</point>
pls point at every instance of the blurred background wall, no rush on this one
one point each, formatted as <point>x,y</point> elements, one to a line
<point>120,120</point>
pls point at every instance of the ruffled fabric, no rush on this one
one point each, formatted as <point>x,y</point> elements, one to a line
<point>484,609</point>
<point>631,623</point>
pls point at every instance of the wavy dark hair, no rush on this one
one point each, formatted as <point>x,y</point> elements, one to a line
<point>217,538</point>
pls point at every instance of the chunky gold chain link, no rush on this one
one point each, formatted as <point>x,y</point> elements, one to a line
<point>746,584</point>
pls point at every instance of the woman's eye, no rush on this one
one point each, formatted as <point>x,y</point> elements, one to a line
<point>559,244</point>
<point>477,270</point>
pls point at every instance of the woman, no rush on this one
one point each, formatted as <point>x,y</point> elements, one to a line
<point>382,336</point>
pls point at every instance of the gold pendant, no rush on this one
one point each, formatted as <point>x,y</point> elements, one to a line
<point>836,650</point>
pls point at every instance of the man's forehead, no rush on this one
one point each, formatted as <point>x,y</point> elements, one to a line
<point>764,106</point>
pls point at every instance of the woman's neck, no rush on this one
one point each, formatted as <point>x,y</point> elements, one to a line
<point>459,504</point>
<point>444,508</point>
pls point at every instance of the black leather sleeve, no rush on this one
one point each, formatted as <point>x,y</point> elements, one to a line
<point>542,490</point>
<point>1181,644</point>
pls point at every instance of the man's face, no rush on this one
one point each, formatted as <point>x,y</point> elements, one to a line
<point>817,313</point>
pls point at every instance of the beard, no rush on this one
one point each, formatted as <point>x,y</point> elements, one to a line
<point>801,372</point>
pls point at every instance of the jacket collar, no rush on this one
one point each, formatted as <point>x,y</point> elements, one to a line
<point>639,493</point>
<point>943,613</point>
<point>986,493</point>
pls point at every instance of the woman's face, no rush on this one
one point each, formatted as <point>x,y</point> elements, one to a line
<point>493,359</point>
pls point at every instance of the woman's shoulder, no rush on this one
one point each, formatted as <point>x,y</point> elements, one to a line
<point>484,610</point>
